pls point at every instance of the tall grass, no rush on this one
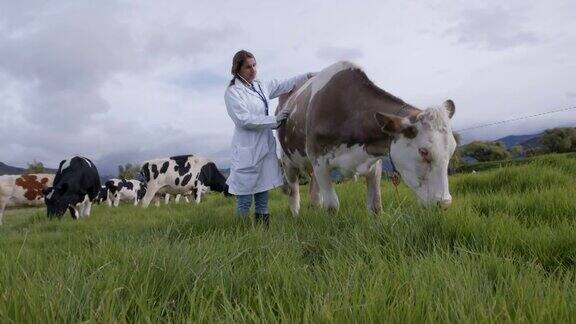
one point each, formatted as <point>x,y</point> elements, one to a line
<point>505,251</point>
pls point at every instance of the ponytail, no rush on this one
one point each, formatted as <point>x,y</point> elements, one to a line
<point>237,62</point>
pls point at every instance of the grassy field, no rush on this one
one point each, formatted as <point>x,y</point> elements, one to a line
<point>505,251</point>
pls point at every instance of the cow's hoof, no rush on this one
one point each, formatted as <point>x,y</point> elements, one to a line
<point>376,212</point>
<point>332,210</point>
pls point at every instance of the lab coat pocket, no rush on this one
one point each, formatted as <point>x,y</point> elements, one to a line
<point>244,159</point>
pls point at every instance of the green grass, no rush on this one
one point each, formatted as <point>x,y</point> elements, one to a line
<point>505,251</point>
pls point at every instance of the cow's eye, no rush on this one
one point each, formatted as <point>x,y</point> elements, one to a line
<point>425,154</point>
<point>63,188</point>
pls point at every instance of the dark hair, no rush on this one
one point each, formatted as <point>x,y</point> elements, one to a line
<point>237,62</point>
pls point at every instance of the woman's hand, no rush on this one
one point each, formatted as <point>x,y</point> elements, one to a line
<point>282,115</point>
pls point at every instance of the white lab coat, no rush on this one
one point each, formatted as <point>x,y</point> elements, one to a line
<point>255,166</point>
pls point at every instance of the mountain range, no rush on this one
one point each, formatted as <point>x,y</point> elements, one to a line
<point>524,140</point>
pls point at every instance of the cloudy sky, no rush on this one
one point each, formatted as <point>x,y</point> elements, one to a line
<point>125,81</point>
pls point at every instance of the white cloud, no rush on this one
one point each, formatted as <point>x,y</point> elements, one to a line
<point>494,28</point>
<point>336,53</point>
<point>122,81</point>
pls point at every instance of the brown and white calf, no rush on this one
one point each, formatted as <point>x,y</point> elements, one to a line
<point>340,120</point>
<point>23,190</point>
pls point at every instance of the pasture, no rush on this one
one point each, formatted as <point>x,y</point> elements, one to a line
<point>505,251</point>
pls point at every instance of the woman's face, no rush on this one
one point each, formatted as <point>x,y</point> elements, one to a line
<point>248,69</point>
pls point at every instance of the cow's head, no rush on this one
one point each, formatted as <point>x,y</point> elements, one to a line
<point>102,194</point>
<point>113,187</point>
<point>141,191</point>
<point>421,149</point>
<point>58,199</point>
<point>211,177</point>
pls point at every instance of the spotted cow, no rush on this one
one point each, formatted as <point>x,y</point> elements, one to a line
<point>76,185</point>
<point>182,175</point>
<point>340,119</point>
<point>124,190</point>
<point>23,190</point>
<point>102,195</point>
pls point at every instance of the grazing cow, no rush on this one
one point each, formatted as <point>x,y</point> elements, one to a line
<point>19,190</point>
<point>124,190</point>
<point>182,175</point>
<point>340,120</point>
<point>102,195</point>
<point>76,185</point>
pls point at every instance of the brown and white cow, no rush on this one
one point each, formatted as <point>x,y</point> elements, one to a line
<point>21,190</point>
<point>340,120</point>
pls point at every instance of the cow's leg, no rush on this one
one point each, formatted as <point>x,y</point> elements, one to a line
<point>198,195</point>
<point>315,196</point>
<point>156,201</point>
<point>136,200</point>
<point>87,208</point>
<point>193,196</point>
<point>186,199</point>
<point>109,200</point>
<point>150,194</point>
<point>81,207</point>
<point>73,212</point>
<point>322,174</point>
<point>373,198</point>
<point>177,199</point>
<point>3,203</point>
<point>117,199</point>
<point>291,173</point>
<point>166,199</point>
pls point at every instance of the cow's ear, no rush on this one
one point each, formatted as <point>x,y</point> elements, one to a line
<point>450,107</point>
<point>389,124</point>
<point>410,132</point>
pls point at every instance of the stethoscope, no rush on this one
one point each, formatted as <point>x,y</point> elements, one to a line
<point>260,93</point>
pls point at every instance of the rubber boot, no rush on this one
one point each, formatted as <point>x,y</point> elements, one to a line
<point>263,219</point>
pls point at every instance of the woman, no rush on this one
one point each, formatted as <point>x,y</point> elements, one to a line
<point>255,169</point>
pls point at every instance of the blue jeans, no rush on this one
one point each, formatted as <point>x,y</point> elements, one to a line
<point>245,202</point>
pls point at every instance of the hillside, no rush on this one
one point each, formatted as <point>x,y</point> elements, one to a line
<point>524,140</point>
<point>7,169</point>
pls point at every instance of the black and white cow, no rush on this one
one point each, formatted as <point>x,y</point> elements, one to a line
<point>124,190</point>
<point>181,175</point>
<point>102,195</point>
<point>76,185</point>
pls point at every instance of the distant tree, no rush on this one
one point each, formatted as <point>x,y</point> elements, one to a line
<point>34,167</point>
<point>559,140</point>
<point>486,151</point>
<point>533,151</point>
<point>128,171</point>
<point>517,151</point>
<point>456,160</point>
